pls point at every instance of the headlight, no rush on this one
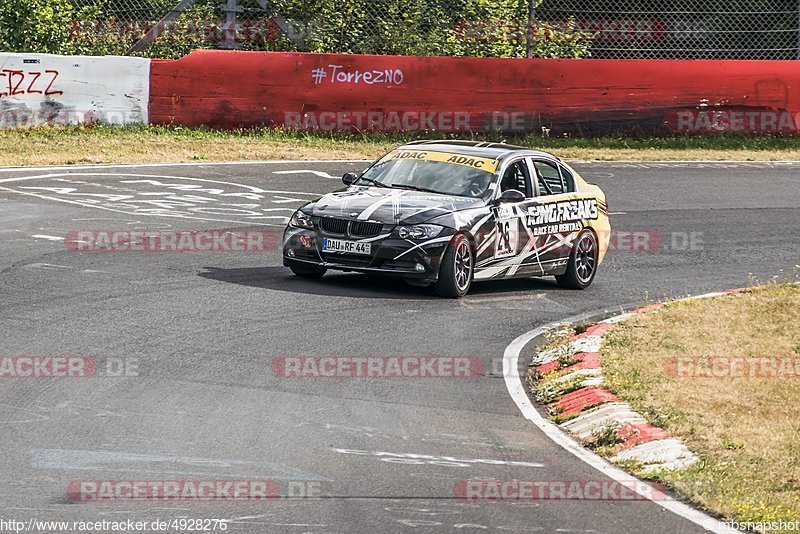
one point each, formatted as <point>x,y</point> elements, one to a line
<point>419,231</point>
<point>301,220</point>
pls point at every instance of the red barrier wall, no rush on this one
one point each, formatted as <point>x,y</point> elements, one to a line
<point>347,92</point>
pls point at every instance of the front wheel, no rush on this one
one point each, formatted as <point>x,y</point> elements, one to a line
<point>456,271</point>
<point>310,271</point>
<point>582,263</point>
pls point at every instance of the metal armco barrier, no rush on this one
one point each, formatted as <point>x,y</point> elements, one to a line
<point>327,92</point>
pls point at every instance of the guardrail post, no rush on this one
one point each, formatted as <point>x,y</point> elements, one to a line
<point>230,8</point>
<point>531,28</point>
<point>148,38</point>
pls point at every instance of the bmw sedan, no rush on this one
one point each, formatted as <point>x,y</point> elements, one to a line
<point>450,213</point>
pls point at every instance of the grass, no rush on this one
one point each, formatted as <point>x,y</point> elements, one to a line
<point>745,430</point>
<point>69,145</point>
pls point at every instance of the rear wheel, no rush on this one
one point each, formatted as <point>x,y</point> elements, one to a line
<point>455,273</point>
<point>582,263</point>
<point>311,271</point>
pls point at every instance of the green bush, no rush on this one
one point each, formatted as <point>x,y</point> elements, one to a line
<point>35,26</point>
<point>477,28</point>
<point>480,28</point>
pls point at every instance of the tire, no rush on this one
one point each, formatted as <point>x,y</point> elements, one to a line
<point>457,269</point>
<point>309,272</point>
<point>582,263</point>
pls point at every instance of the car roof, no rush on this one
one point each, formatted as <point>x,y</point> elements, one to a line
<point>481,149</point>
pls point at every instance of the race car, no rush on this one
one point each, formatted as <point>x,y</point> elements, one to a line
<point>447,213</point>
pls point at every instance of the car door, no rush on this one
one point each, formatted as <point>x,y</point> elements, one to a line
<point>504,243</point>
<point>551,221</point>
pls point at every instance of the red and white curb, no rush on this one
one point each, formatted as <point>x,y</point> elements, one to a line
<point>590,409</point>
<point>595,407</point>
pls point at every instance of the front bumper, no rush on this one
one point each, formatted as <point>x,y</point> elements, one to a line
<point>392,256</point>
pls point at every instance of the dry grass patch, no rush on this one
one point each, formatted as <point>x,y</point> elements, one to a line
<point>104,144</point>
<point>745,430</point>
<point>79,146</point>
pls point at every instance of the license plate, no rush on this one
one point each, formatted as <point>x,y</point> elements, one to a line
<point>347,247</point>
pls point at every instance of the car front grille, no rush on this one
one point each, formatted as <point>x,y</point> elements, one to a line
<point>365,229</point>
<point>333,226</point>
<point>360,229</point>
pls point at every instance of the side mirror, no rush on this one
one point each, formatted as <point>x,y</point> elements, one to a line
<point>510,195</point>
<point>349,177</point>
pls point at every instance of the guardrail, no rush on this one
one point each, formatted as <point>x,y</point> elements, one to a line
<point>330,92</point>
<point>228,89</point>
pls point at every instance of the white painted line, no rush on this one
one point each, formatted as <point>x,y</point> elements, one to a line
<point>516,390</point>
<point>206,164</point>
<point>146,177</point>
<point>48,265</point>
<point>138,214</point>
<point>321,174</point>
<point>48,237</point>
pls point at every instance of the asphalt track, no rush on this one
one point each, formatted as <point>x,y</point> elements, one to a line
<point>204,328</point>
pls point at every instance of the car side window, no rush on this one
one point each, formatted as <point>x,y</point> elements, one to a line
<point>549,179</point>
<point>569,180</point>
<point>516,177</point>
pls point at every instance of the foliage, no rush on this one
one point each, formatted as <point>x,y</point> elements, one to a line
<point>480,28</point>
<point>36,25</point>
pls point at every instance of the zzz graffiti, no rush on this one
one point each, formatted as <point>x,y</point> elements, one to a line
<point>19,82</point>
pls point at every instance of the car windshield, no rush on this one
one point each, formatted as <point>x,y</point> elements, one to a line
<point>434,172</point>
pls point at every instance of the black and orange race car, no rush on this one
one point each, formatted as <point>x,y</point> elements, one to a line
<point>447,213</point>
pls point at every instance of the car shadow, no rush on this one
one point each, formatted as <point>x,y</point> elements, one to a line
<point>362,285</point>
<point>513,285</point>
<point>331,285</point>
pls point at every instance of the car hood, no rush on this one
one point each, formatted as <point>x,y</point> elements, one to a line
<point>389,206</point>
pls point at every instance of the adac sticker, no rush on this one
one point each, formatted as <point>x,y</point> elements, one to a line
<point>483,164</point>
